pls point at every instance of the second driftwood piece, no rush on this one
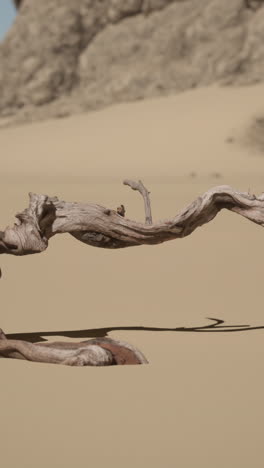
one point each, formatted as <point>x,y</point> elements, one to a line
<point>96,352</point>
<point>103,227</point>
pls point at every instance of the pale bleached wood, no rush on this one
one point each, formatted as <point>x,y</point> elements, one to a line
<point>99,226</point>
<point>97,352</point>
<point>139,186</point>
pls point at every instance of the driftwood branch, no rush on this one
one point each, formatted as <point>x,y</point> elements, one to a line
<point>104,227</point>
<point>100,351</point>
<point>96,352</point>
<point>145,194</point>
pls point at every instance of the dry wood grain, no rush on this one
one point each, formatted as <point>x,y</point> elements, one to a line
<point>96,352</point>
<point>99,226</point>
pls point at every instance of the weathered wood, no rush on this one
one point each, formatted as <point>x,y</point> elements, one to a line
<point>97,352</point>
<point>103,227</point>
<point>145,194</point>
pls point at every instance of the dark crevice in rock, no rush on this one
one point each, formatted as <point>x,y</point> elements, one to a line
<point>254,4</point>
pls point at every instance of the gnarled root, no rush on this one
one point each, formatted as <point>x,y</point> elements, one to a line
<point>107,228</point>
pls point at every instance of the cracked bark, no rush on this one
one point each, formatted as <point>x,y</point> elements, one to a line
<point>99,226</point>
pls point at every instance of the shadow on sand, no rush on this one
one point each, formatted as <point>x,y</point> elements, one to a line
<point>218,326</point>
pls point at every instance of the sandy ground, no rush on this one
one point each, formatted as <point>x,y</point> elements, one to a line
<point>199,403</point>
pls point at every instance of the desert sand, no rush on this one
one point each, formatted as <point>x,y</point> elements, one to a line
<point>199,402</point>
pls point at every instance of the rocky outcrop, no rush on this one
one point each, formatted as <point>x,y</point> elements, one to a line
<point>63,57</point>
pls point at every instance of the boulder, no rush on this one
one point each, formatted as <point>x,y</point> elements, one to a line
<point>62,57</point>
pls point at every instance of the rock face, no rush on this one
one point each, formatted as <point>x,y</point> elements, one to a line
<point>66,56</point>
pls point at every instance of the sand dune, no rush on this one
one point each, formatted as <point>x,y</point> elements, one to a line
<point>161,138</point>
<point>199,401</point>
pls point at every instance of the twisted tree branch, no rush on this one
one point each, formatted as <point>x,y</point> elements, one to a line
<point>103,227</point>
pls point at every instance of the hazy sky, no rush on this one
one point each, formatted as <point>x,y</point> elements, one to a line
<point>7,15</point>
